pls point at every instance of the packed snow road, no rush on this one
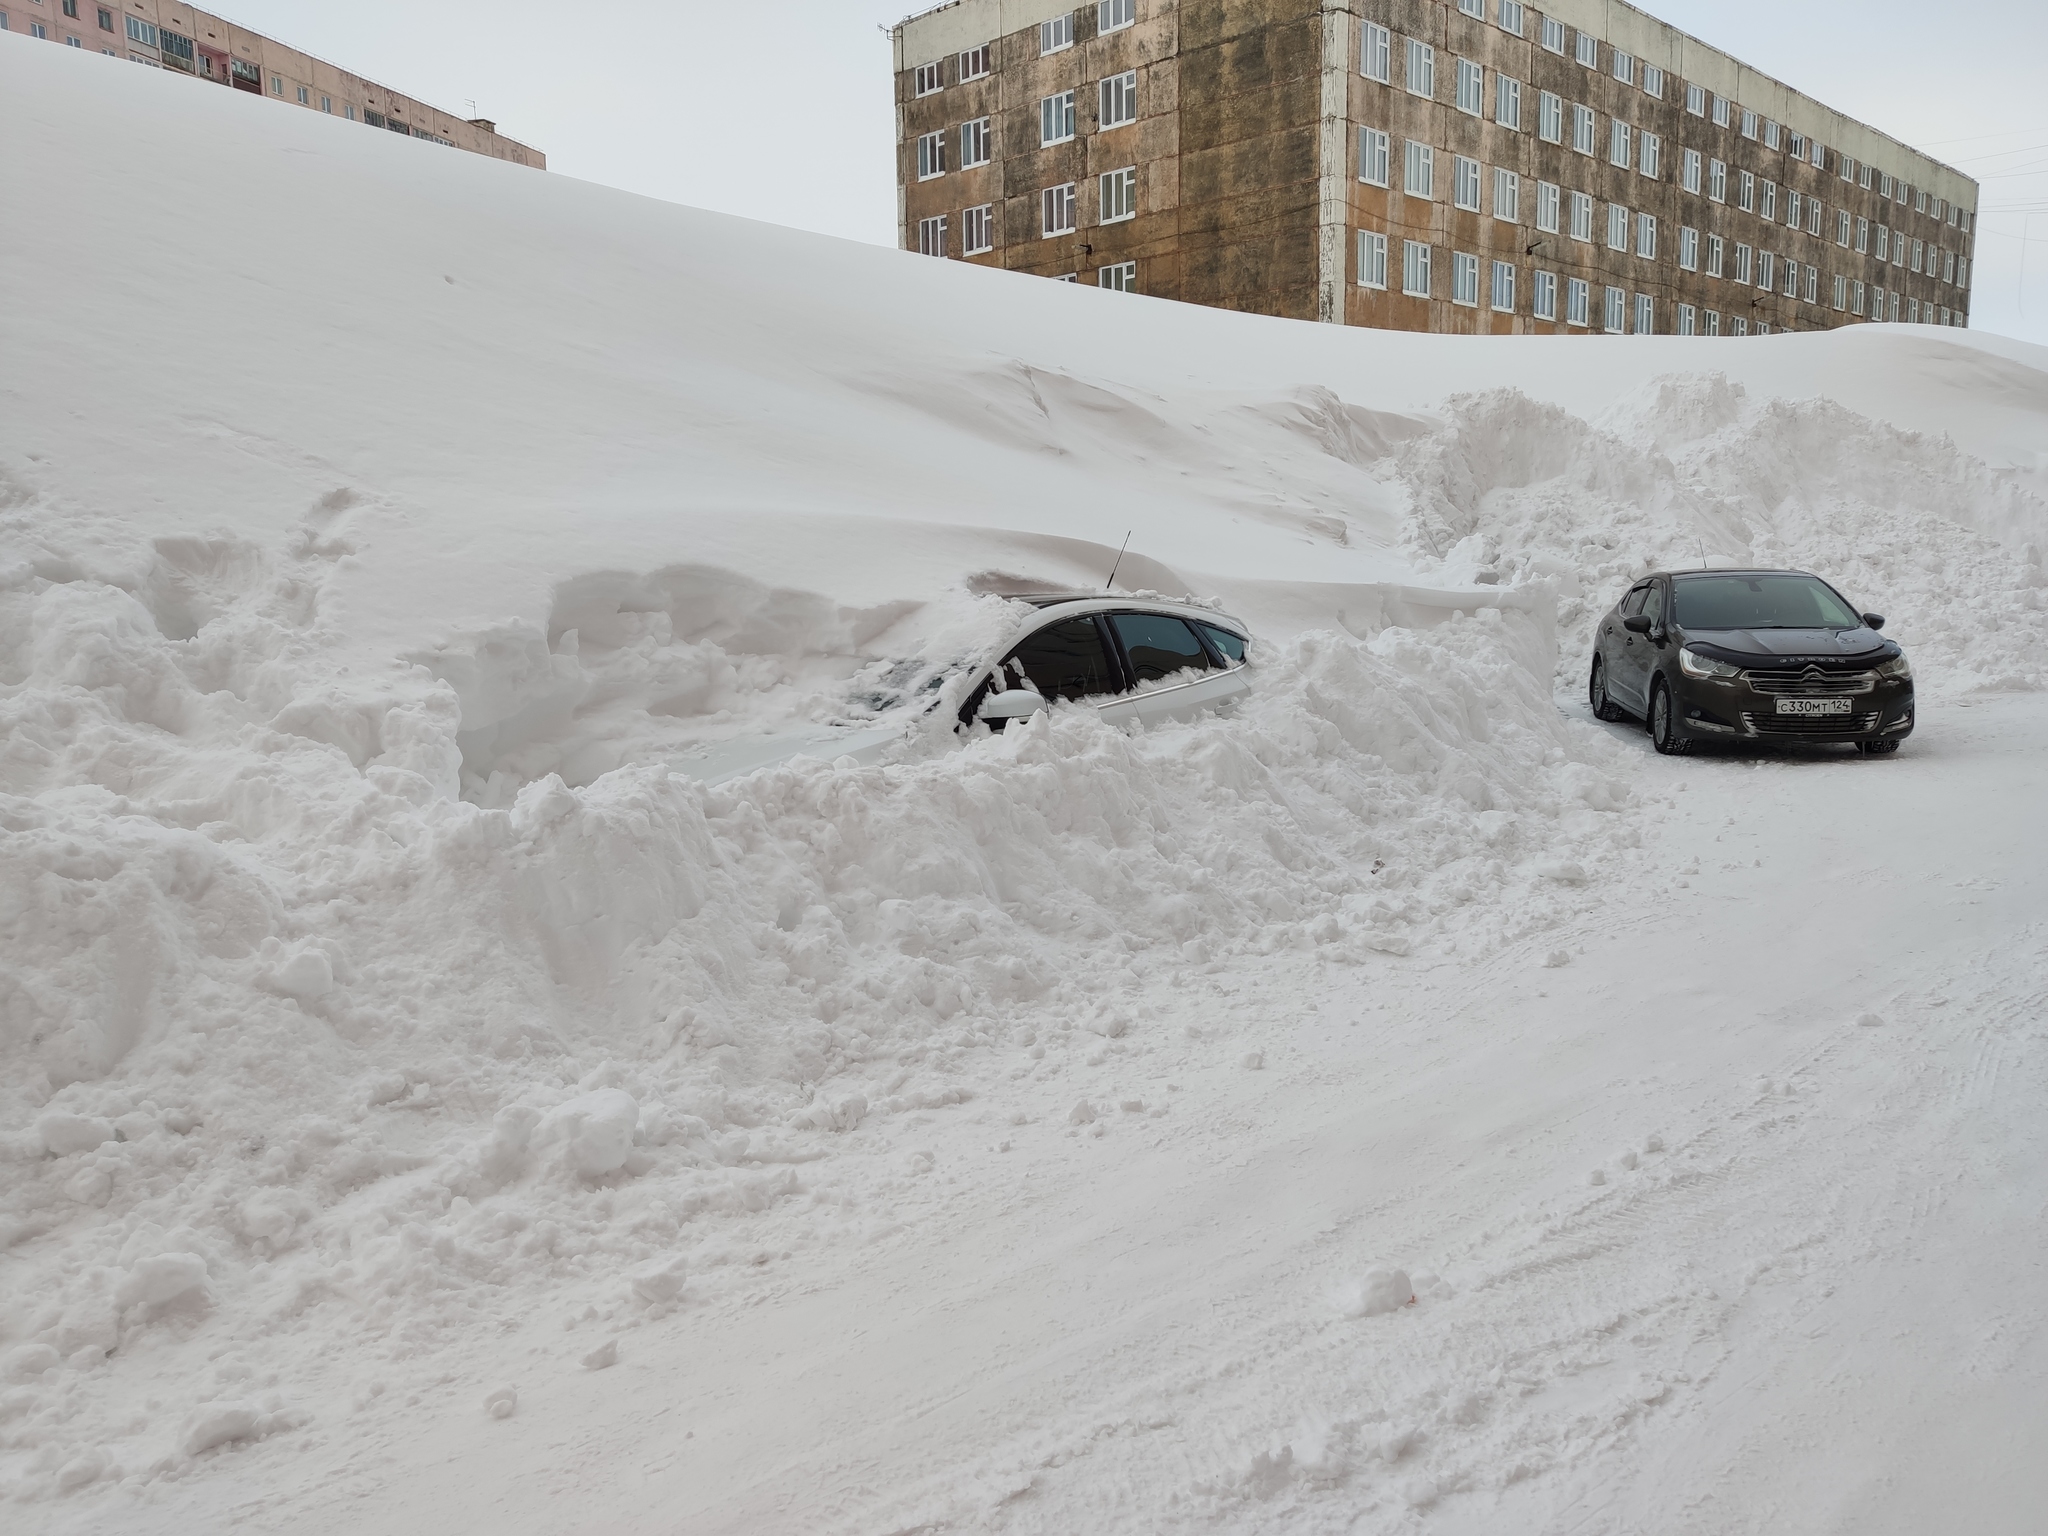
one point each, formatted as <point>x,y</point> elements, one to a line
<point>1695,1222</point>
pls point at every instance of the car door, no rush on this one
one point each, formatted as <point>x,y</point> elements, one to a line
<point>1627,653</point>
<point>1176,676</point>
<point>1068,660</point>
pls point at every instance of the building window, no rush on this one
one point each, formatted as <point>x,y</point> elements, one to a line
<point>1896,299</point>
<point>1617,227</point>
<point>1771,138</point>
<point>1577,301</point>
<point>1473,8</point>
<point>1767,207</point>
<point>348,110</point>
<point>1420,178</point>
<point>1582,129</point>
<point>978,230</point>
<point>1511,19</point>
<point>1696,100</point>
<point>1742,255</point>
<point>1548,198</point>
<point>1624,67</point>
<point>326,105</point>
<point>277,85</point>
<point>1913,311</point>
<point>1841,291</point>
<point>1819,157</point>
<point>1855,298</point>
<point>928,78</point>
<point>1120,277</point>
<point>1372,259</point>
<point>1415,268</point>
<point>1373,146</point>
<point>931,236</point>
<point>1717,180</point>
<point>1766,271</point>
<point>1720,111</point>
<point>1421,69</point>
<point>1465,183</point>
<point>1464,279</point>
<point>1119,99</point>
<point>1748,123</point>
<point>1842,228</point>
<point>1550,117</point>
<point>1745,191</point>
<point>1689,173</point>
<point>974,143</point>
<point>1688,250</point>
<point>1813,285</point>
<point>1507,102</point>
<point>1553,34</point>
<point>1543,295</point>
<point>1618,143</point>
<point>302,96</point>
<point>1588,51</point>
<point>1056,34</point>
<point>1376,53</point>
<point>974,64</point>
<point>1798,146</point>
<point>1469,82</point>
<point>1813,212</point>
<point>1504,287</point>
<point>1057,210</point>
<point>1795,210</point>
<point>1713,319</point>
<point>37,29</point>
<point>1646,315</point>
<point>1653,81</point>
<point>106,19</point>
<point>1848,167</point>
<point>1056,119</point>
<point>1646,236</point>
<point>1688,319</point>
<point>931,155</point>
<point>140,31</point>
<point>1791,288</point>
<point>1582,217</point>
<point>1115,15</point>
<point>1120,195</point>
<point>1615,317</point>
<point>1715,250</point>
<point>1651,155</point>
<point>1737,326</point>
<point>1507,195</point>
<point>1958,268</point>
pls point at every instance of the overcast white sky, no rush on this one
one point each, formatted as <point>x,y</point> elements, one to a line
<point>780,111</point>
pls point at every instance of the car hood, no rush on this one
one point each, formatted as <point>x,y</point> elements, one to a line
<point>1805,645</point>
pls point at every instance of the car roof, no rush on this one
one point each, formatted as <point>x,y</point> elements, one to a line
<point>1061,605</point>
<point>1729,570</point>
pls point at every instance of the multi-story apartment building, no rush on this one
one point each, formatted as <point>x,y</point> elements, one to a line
<point>165,35</point>
<point>1441,165</point>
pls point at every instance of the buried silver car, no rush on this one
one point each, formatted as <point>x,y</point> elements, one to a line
<point>1133,660</point>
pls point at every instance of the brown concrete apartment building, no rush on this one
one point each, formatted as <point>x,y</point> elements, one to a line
<point>1436,165</point>
<point>165,35</point>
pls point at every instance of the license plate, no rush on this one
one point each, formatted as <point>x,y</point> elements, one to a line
<point>1813,706</point>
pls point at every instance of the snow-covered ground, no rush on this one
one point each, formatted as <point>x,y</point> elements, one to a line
<point>423,1111</point>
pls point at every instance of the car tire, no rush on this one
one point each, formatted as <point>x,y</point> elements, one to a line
<point>1664,734</point>
<point>1604,708</point>
<point>1883,747</point>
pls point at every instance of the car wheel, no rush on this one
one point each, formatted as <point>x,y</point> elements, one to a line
<point>1663,729</point>
<point>1881,748</point>
<point>1604,708</point>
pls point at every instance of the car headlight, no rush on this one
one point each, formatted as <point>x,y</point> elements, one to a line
<point>1693,664</point>
<point>1897,667</point>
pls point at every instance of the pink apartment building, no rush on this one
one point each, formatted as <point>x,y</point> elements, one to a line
<point>165,35</point>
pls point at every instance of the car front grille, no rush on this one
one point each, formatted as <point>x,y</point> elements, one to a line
<point>1810,682</point>
<point>1810,725</point>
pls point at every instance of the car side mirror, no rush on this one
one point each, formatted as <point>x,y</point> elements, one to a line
<point>1637,623</point>
<point>1012,704</point>
<point>1874,620</point>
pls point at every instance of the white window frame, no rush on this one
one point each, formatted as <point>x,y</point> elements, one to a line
<point>1465,183</point>
<point>1578,302</point>
<point>1586,49</point>
<point>1501,288</point>
<point>1716,253</point>
<point>1688,249</point>
<point>1717,181</point>
<point>1713,319</point>
<point>1720,111</point>
<point>1688,320</point>
<point>1056,34</point>
<point>1644,321</point>
<point>1844,228</point>
<point>1476,9</point>
<point>1464,280</point>
<point>978,230</point>
<point>1624,67</point>
<point>1543,296</point>
<point>1119,194</point>
<point>1507,101</point>
<point>1375,156</point>
<point>1117,100</point>
<point>1118,277</point>
<point>1054,205</point>
<point>1696,100</point>
<point>1552,35</point>
<point>1115,15</point>
<point>1813,285</point>
<point>1056,119</point>
<point>1617,227</point>
<point>1421,77</point>
<point>975,141</point>
<point>1582,218</point>
<point>1372,260</point>
<point>1584,130</point>
<point>1549,207</point>
<point>1749,123</point>
<point>1646,236</point>
<point>1415,264</point>
<point>1767,205</point>
<point>931,236</point>
<point>1650,155</point>
<point>974,64</point>
<point>931,155</point>
<point>1653,81</point>
<point>1509,16</point>
<point>1766,269</point>
<point>1376,53</point>
<point>1614,311</point>
<point>1620,138</point>
<point>928,79</point>
<point>1550,117</point>
<point>1742,260</point>
<point>1507,195</point>
<point>1418,170</point>
<point>1471,92</point>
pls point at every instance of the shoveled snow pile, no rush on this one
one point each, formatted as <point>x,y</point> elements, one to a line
<point>370,987</point>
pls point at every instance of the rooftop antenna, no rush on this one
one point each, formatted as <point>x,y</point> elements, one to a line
<point>1119,561</point>
<point>1703,553</point>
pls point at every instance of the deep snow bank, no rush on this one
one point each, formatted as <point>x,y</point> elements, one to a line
<point>366,980</point>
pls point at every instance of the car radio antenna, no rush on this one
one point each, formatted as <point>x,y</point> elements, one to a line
<point>1119,561</point>
<point>1703,554</point>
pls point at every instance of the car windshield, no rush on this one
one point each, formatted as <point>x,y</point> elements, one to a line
<point>1759,602</point>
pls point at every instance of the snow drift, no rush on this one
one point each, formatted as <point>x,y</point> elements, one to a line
<point>367,975</point>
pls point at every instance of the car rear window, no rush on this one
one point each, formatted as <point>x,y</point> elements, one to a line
<point>1158,644</point>
<point>1065,661</point>
<point>1230,647</point>
<point>1759,602</point>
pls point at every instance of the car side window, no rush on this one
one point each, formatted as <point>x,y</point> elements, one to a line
<point>1633,603</point>
<point>1158,645</point>
<point>1653,605</point>
<point>1062,661</point>
<point>1230,647</point>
